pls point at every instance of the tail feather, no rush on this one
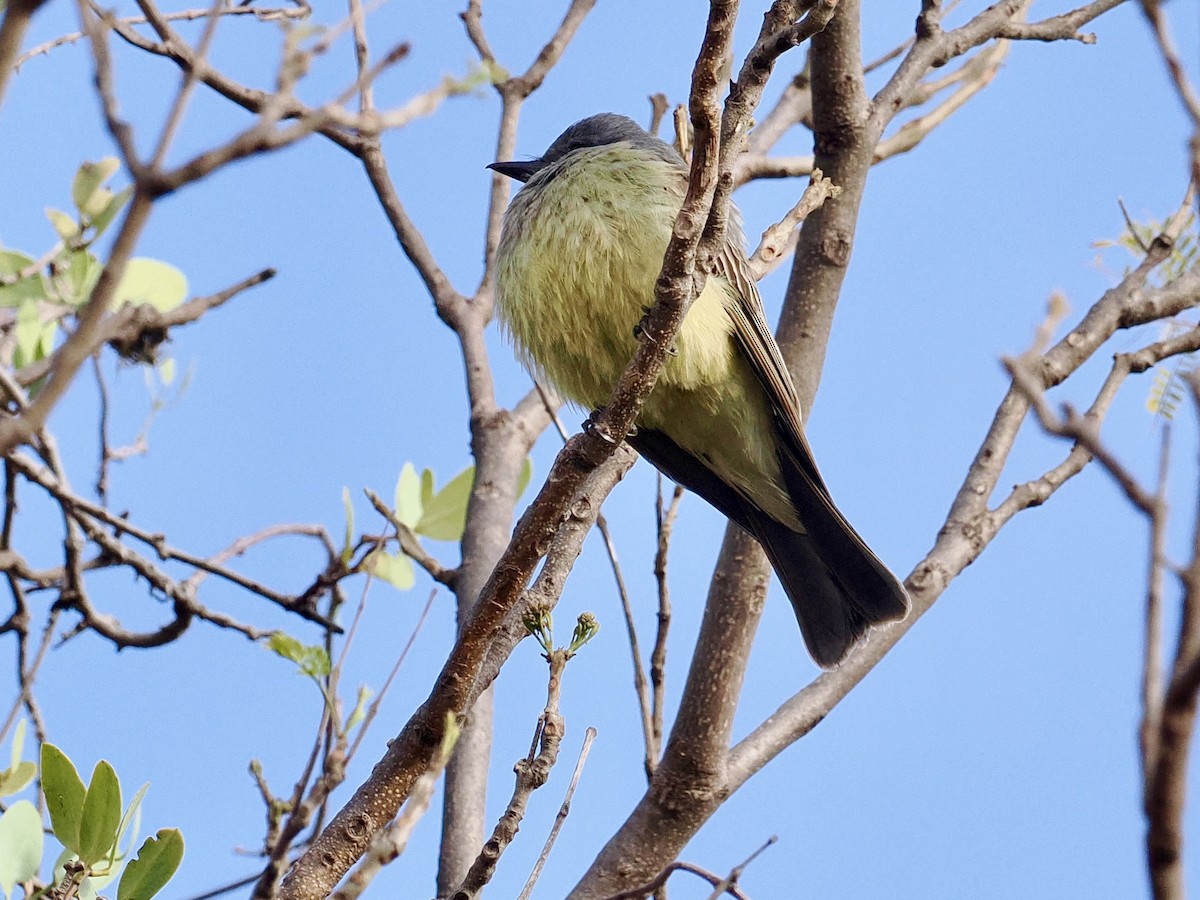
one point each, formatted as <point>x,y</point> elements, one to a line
<point>837,586</point>
<point>835,591</point>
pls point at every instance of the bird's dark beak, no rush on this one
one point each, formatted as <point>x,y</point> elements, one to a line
<point>519,170</point>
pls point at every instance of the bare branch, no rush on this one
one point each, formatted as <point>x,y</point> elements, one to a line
<point>187,86</point>
<point>137,330</point>
<point>721,886</point>
<point>1152,663</point>
<point>563,811</point>
<point>261,13</point>
<point>1060,28</point>
<point>531,79</point>
<point>640,685</point>
<point>658,111</point>
<point>664,525</point>
<point>779,240</point>
<point>174,47</point>
<point>1166,782</point>
<point>484,642</point>
<point>973,77</point>
<point>1166,48</point>
<point>472,19</point>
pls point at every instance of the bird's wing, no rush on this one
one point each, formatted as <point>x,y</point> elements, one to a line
<point>871,588</point>
<point>758,344</point>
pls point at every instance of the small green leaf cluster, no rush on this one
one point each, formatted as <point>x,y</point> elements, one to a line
<point>479,76</point>
<point>1137,236</point>
<point>312,661</point>
<point>1167,389</point>
<point>440,515</point>
<point>44,291</point>
<point>88,820</point>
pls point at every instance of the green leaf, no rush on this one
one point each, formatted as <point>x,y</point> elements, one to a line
<point>426,487</point>
<point>312,661</point>
<point>19,773</point>
<point>395,569</point>
<point>18,743</point>
<point>29,288</point>
<point>16,779</point>
<point>408,496</point>
<point>156,863</point>
<point>348,546</point>
<point>89,178</point>
<point>150,281</point>
<point>65,793</point>
<point>13,261</point>
<point>64,224</point>
<point>101,815</point>
<point>131,820</point>
<point>45,345</point>
<point>445,516</point>
<point>21,845</point>
<point>28,332</point>
<point>83,271</point>
<point>98,202</point>
<point>285,645</point>
<point>360,708</point>
<point>526,475</point>
<point>104,218</point>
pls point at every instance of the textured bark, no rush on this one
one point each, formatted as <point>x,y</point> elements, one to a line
<point>490,514</point>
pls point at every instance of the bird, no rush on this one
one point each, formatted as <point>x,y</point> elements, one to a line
<point>580,249</point>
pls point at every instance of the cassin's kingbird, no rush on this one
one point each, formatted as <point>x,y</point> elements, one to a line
<point>580,251</point>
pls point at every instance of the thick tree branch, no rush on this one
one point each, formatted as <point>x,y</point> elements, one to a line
<point>457,686</point>
<point>688,784</point>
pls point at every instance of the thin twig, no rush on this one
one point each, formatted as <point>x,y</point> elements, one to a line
<point>779,240</point>
<point>262,13</point>
<point>659,880</point>
<point>411,544</point>
<point>664,526</point>
<point>373,708</point>
<point>532,773</point>
<point>563,811</point>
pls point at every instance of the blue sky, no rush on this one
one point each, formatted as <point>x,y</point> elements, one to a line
<point>992,754</point>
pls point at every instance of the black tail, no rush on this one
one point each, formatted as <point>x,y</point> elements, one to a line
<point>837,586</point>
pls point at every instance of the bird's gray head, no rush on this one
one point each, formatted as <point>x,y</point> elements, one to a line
<point>594,131</point>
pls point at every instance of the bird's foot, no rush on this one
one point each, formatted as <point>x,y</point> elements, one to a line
<point>593,425</point>
<point>640,329</point>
